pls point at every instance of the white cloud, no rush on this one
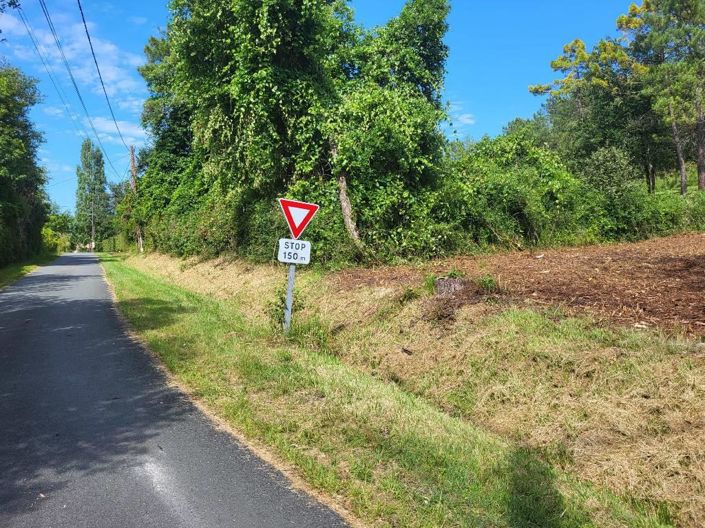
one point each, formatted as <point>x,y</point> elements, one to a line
<point>455,106</point>
<point>466,119</point>
<point>118,67</point>
<point>54,168</point>
<point>133,133</point>
<point>53,111</point>
<point>10,26</point>
<point>138,20</point>
<point>131,104</point>
<point>459,117</point>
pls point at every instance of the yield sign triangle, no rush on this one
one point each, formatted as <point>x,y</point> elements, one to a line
<point>298,215</point>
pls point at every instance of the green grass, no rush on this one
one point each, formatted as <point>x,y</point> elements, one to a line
<point>13,272</point>
<point>392,457</point>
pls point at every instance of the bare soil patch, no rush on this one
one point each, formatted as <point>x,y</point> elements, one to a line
<point>655,283</point>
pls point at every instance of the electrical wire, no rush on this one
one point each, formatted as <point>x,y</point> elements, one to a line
<point>62,96</point>
<point>54,183</point>
<point>45,10</point>
<point>100,76</point>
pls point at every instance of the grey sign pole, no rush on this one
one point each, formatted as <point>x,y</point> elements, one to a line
<point>289,299</point>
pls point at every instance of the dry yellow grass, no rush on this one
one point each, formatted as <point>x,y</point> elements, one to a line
<point>621,408</point>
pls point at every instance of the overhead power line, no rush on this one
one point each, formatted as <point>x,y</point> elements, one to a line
<point>100,76</point>
<point>65,61</point>
<point>47,68</point>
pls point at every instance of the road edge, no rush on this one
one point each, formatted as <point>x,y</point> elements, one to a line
<point>296,482</point>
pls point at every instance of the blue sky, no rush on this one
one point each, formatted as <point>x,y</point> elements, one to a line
<point>497,49</point>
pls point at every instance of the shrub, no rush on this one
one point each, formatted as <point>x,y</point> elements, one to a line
<point>119,243</point>
<point>54,243</point>
<point>696,211</point>
<point>507,191</point>
<point>609,169</point>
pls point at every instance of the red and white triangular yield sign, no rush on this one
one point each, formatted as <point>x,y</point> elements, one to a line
<point>298,215</point>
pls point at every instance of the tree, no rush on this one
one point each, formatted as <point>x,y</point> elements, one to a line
<point>254,74</point>
<point>249,99</point>
<point>668,39</point>
<point>383,129</point>
<point>23,204</point>
<point>92,201</point>
<point>59,221</point>
<point>654,74</point>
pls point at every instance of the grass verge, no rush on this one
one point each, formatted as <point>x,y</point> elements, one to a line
<point>13,272</point>
<point>391,457</point>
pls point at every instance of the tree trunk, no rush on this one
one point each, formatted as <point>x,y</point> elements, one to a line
<point>650,173</point>
<point>649,169</point>
<point>345,205</point>
<point>700,134</point>
<point>679,152</point>
<point>652,178</point>
<point>348,216</point>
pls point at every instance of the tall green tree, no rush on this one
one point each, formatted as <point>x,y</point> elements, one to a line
<point>250,99</point>
<point>384,127</point>
<point>23,204</point>
<point>645,81</point>
<point>253,74</point>
<point>667,38</point>
<point>92,201</point>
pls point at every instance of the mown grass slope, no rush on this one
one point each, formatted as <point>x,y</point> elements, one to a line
<point>397,448</point>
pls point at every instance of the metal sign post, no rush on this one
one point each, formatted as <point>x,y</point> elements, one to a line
<point>298,215</point>
<point>289,308</point>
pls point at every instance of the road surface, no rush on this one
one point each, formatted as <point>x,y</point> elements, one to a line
<point>91,435</point>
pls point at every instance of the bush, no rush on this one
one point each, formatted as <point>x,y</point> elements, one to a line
<point>54,243</point>
<point>507,191</point>
<point>610,170</point>
<point>695,206</point>
<point>119,243</point>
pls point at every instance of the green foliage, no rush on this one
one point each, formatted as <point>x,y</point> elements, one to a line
<point>256,100</point>
<point>488,284</point>
<point>119,243</point>
<point>696,211</point>
<point>507,191</point>
<point>277,305</point>
<point>609,169</point>
<point>389,143</point>
<point>54,243</point>
<point>455,273</point>
<point>93,220</point>
<point>23,206</point>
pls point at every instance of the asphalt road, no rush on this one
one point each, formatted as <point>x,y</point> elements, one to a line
<point>92,436</point>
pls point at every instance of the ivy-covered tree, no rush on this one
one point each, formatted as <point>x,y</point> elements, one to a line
<point>253,74</point>
<point>384,129</point>
<point>253,99</point>
<point>92,218</point>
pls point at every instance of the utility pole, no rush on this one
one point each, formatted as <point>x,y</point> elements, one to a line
<point>92,222</point>
<point>133,184</point>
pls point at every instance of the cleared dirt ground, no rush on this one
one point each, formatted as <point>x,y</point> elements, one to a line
<point>656,283</point>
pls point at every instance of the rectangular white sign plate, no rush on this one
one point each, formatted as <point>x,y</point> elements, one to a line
<point>294,251</point>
